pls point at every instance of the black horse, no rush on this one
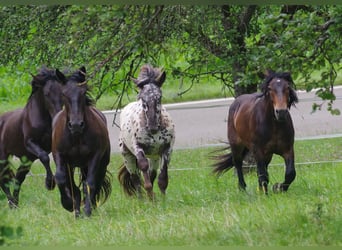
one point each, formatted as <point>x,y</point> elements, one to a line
<point>26,133</point>
<point>80,139</point>
<point>261,124</point>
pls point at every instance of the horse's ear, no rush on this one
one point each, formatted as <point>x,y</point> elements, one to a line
<point>264,88</point>
<point>36,82</point>
<point>161,79</point>
<point>261,75</point>
<point>136,82</point>
<point>287,76</point>
<point>268,72</point>
<point>61,77</point>
<point>83,70</point>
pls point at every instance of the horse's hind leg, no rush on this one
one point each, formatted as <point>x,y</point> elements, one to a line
<point>238,155</point>
<point>20,177</point>
<point>163,178</point>
<point>6,175</point>
<point>154,166</point>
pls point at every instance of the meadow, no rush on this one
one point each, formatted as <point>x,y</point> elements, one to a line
<point>198,210</point>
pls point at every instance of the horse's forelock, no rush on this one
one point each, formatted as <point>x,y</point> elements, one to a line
<point>45,74</point>
<point>147,75</point>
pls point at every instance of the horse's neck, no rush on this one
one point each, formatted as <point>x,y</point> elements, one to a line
<point>36,104</point>
<point>90,112</point>
<point>268,106</point>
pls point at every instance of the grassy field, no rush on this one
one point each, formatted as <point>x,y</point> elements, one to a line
<point>198,210</point>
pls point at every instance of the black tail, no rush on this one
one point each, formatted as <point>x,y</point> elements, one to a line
<point>126,181</point>
<point>223,163</point>
<point>105,189</point>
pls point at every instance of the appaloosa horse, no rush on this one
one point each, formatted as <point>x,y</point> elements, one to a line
<point>80,139</point>
<point>261,124</point>
<point>26,133</point>
<point>147,136</point>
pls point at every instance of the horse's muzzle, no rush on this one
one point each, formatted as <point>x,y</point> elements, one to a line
<point>154,130</point>
<point>76,127</point>
<point>281,114</point>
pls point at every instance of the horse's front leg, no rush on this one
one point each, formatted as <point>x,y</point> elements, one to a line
<point>290,173</point>
<point>262,159</point>
<point>65,183</point>
<point>43,156</point>
<point>143,165</point>
<point>92,186</point>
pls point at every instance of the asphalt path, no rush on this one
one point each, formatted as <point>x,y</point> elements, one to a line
<point>203,123</point>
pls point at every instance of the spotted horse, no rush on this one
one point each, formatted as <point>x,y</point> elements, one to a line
<point>147,136</point>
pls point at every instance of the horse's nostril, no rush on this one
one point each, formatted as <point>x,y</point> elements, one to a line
<point>82,124</point>
<point>280,113</point>
<point>69,125</point>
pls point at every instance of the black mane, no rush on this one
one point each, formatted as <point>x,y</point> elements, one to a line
<point>45,74</point>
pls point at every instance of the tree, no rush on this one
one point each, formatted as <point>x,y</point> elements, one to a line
<point>230,42</point>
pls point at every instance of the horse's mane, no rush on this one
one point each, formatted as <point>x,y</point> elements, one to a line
<point>80,78</point>
<point>44,74</point>
<point>147,74</point>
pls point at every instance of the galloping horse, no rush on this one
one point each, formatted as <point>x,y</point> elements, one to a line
<point>147,136</point>
<point>80,139</point>
<point>261,124</point>
<point>26,133</point>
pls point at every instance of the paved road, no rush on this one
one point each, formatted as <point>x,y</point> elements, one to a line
<point>204,122</point>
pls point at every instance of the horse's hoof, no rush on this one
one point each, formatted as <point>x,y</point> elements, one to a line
<point>12,204</point>
<point>151,195</point>
<point>278,188</point>
<point>242,187</point>
<point>263,188</point>
<point>50,184</point>
<point>78,214</point>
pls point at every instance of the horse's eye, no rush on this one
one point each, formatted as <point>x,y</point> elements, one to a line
<point>144,106</point>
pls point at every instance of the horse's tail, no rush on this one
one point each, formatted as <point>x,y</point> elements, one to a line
<point>223,163</point>
<point>126,182</point>
<point>105,189</point>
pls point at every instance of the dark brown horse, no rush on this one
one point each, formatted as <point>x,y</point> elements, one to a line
<point>26,133</point>
<point>80,139</point>
<point>261,124</point>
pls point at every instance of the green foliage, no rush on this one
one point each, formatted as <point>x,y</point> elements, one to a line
<point>228,43</point>
<point>198,210</point>
<point>13,85</point>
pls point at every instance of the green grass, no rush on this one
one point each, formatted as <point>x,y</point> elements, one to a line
<point>198,210</point>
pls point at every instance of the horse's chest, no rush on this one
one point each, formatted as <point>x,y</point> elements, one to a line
<point>77,149</point>
<point>153,143</point>
<point>281,138</point>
